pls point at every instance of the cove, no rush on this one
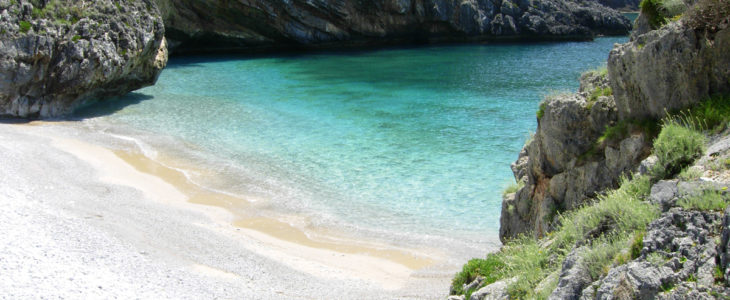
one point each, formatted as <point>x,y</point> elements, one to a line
<point>407,144</point>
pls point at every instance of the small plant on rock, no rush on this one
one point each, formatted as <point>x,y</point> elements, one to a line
<point>676,147</point>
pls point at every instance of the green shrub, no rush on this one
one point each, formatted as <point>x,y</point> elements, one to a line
<point>491,268</point>
<point>75,38</point>
<point>623,207</point>
<point>530,263</point>
<point>690,174</point>
<point>512,188</point>
<point>541,110</point>
<point>676,147</point>
<point>600,256</point>
<point>621,130</point>
<point>706,200</point>
<point>637,244</point>
<point>24,26</point>
<point>660,12</point>
<point>597,92</point>
<point>709,15</point>
<point>712,114</point>
<point>656,259</point>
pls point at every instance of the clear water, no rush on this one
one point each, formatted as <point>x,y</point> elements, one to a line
<point>414,141</point>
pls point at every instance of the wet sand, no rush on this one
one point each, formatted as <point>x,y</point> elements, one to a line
<point>185,217</point>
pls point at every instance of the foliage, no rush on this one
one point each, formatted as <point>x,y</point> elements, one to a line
<point>598,92</point>
<point>706,200</point>
<point>24,26</point>
<point>656,259</point>
<point>600,256</point>
<point>541,110</point>
<point>621,130</point>
<point>676,147</point>
<point>512,188</point>
<point>660,12</point>
<point>712,114</point>
<point>709,15</point>
<point>490,268</point>
<point>637,244</point>
<point>530,263</point>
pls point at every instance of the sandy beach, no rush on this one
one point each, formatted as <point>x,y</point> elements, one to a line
<point>82,219</point>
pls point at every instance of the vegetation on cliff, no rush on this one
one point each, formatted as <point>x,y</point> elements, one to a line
<point>58,54</point>
<point>609,231</point>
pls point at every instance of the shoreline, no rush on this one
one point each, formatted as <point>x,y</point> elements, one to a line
<point>321,254</point>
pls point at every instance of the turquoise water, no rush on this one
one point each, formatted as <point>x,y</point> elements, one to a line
<point>414,141</point>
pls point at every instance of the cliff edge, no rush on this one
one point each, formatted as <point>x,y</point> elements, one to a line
<point>585,141</point>
<point>58,54</point>
<point>205,26</point>
<point>624,187</point>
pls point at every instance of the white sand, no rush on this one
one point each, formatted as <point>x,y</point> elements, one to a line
<point>78,221</point>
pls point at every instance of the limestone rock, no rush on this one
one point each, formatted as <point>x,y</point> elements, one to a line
<point>664,194</point>
<point>204,26</point>
<point>493,291</point>
<point>684,260</point>
<point>668,69</point>
<point>574,277</point>
<point>60,54</point>
<point>563,166</point>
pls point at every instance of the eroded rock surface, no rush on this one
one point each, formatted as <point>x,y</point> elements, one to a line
<point>668,69</point>
<point>198,25</point>
<point>660,70</point>
<point>56,54</point>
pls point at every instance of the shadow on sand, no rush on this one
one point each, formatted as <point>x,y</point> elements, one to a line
<point>92,110</point>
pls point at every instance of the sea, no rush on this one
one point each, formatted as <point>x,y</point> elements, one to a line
<point>409,146</point>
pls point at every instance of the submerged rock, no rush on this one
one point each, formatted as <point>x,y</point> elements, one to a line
<point>197,25</point>
<point>56,55</point>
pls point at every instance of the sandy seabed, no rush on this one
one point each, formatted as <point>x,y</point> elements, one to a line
<point>81,219</point>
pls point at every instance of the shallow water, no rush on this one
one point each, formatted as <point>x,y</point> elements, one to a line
<point>388,143</point>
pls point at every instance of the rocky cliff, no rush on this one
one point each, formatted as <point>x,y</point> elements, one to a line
<point>242,25</point>
<point>57,54</point>
<point>585,141</point>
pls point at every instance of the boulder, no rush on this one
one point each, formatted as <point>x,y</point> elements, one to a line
<point>57,55</point>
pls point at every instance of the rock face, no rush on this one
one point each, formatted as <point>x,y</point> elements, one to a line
<point>669,68</point>
<point>198,25</point>
<point>679,260</point>
<point>58,54</point>
<point>565,164</point>
<point>624,5</point>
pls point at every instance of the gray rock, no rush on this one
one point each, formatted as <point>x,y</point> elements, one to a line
<point>268,24</point>
<point>725,245</point>
<point>455,297</point>
<point>664,193</point>
<point>574,277</point>
<point>635,280</point>
<point>668,69</point>
<point>61,61</point>
<point>685,242</point>
<point>494,291</point>
<point>646,165</point>
<point>474,284</point>
<point>562,166</point>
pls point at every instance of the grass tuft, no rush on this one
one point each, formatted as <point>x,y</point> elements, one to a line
<point>24,26</point>
<point>541,110</point>
<point>512,188</point>
<point>706,200</point>
<point>676,147</point>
